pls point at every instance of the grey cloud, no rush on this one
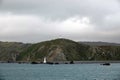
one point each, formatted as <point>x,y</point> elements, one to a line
<point>62,8</point>
<point>54,9</point>
<point>104,16</point>
<point>96,10</point>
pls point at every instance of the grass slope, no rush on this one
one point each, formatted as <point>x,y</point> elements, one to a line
<point>10,50</point>
<point>57,50</point>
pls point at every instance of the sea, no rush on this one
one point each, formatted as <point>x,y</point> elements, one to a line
<point>15,71</point>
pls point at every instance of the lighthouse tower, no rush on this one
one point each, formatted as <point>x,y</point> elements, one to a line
<point>44,60</point>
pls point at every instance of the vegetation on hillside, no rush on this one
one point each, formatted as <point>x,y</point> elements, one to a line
<point>57,50</point>
<point>10,50</point>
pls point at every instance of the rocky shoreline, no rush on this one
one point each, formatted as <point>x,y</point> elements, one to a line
<point>62,62</point>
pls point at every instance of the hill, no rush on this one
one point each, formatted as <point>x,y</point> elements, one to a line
<point>57,50</point>
<point>68,50</point>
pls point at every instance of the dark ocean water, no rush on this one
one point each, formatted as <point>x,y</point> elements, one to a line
<point>59,72</point>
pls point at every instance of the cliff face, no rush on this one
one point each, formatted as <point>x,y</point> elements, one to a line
<point>58,50</point>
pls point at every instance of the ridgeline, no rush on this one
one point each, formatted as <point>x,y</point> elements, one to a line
<point>58,50</point>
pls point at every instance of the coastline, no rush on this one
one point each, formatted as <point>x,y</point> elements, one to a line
<point>62,62</point>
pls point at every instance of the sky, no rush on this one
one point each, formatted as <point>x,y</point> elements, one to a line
<point>80,20</point>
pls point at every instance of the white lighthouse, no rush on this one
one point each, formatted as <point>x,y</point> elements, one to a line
<point>44,60</point>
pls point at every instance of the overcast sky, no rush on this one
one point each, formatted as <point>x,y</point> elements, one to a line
<point>79,20</point>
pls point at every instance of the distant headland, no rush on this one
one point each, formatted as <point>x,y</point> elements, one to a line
<point>59,50</point>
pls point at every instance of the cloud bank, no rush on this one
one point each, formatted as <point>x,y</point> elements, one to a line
<point>35,21</point>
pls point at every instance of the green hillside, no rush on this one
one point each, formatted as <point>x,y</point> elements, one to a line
<point>67,50</point>
<point>10,50</point>
<point>57,50</point>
